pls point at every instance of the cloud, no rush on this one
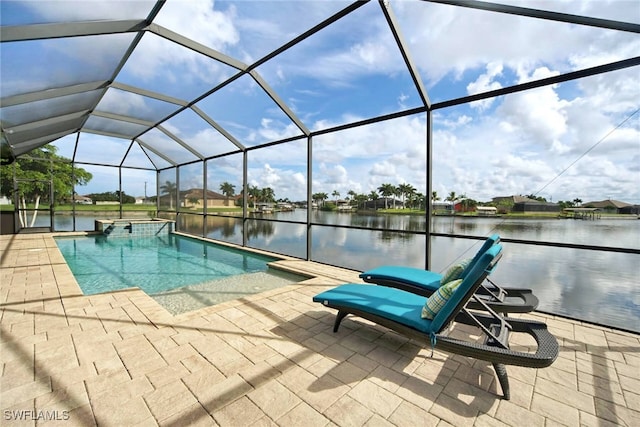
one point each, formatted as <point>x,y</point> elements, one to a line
<point>200,21</point>
<point>286,183</point>
<point>485,83</point>
<point>333,175</point>
<point>60,11</point>
<point>384,170</point>
<point>538,115</point>
<point>441,42</point>
<point>124,103</point>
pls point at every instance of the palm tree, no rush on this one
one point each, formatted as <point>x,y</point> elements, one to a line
<point>254,194</point>
<point>169,188</point>
<point>320,197</point>
<point>577,202</point>
<point>452,198</point>
<point>420,199</point>
<point>228,190</point>
<point>434,196</point>
<point>373,196</point>
<point>360,199</point>
<point>466,203</point>
<point>352,194</point>
<point>336,194</point>
<point>396,194</point>
<point>386,190</point>
<point>268,195</point>
<point>405,190</point>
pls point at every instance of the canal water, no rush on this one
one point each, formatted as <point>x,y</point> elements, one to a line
<point>595,286</point>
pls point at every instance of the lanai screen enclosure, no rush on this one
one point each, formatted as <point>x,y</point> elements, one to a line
<point>191,100</point>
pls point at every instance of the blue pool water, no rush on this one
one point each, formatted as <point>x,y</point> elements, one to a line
<point>154,264</point>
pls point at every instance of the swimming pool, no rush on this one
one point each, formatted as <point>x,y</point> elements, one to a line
<point>179,272</point>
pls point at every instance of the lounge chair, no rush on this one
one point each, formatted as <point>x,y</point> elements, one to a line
<point>425,282</point>
<point>401,311</point>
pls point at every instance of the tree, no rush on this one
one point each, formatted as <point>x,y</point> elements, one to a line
<point>320,197</point>
<point>467,204</point>
<point>452,197</point>
<point>406,190</point>
<point>434,196</point>
<point>169,188</point>
<point>228,190</point>
<point>34,172</point>
<point>112,196</point>
<point>420,199</point>
<point>578,202</point>
<point>360,199</point>
<point>464,202</point>
<point>336,194</point>
<point>267,194</point>
<point>254,194</point>
<point>387,190</point>
<point>396,194</point>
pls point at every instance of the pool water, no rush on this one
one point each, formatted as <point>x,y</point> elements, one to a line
<point>181,273</point>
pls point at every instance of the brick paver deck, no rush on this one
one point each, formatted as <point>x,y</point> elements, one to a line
<point>120,359</point>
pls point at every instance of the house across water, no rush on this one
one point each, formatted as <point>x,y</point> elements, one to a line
<point>581,213</point>
<point>486,210</point>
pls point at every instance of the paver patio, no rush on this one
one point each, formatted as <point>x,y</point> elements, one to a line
<point>120,359</point>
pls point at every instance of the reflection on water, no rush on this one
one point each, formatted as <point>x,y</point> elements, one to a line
<point>601,287</point>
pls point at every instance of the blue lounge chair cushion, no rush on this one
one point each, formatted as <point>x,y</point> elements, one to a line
<point>405,307</point>
<point>414,276</point>
<point>400,306</point>
<point>455,271</point>
<point>389,275</point>
<point>438,299</point>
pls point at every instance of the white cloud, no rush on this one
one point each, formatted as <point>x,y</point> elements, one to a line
<point>124,103</point>
<point>538,115</point>
<point>383,170</point>
<point>199,21</point>
<point>333,175</point>
<point>461,120</point>
<point>443,39</point>
<point>60,11</point>
<point>484,83</point>
<point>286,183</point>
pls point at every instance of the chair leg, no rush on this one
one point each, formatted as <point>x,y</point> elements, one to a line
<point>341,315</point>
<point>501,371</point>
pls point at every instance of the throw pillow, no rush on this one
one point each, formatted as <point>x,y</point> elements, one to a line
<point>455,271</point>
<point>438,299</point>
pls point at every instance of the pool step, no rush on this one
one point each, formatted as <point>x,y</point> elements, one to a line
<point>108,230</point>
<point>118,228</point>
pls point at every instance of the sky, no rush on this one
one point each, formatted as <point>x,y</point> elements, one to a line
<point>575,140</point>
